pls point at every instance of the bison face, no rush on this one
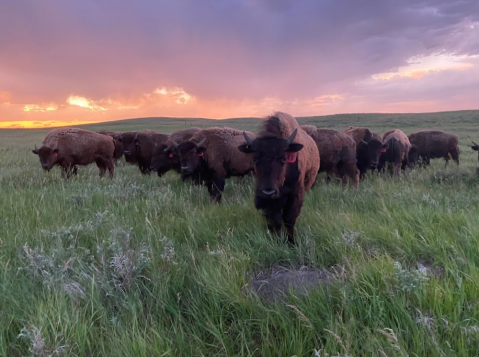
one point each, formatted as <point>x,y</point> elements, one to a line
<point>190,154</point>
<point>164,159</point>
<point>412,156</point>
<point>129,148</point>
<point>374,150</point>
<point>48,156</point>
<point>271,158</point>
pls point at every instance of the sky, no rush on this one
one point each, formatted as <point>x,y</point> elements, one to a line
<point>73,62</point>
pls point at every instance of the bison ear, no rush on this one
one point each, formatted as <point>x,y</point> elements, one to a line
<point>246,148</point>
<point>55,151</point>
<point>200,151</point>
<point>294,147</point>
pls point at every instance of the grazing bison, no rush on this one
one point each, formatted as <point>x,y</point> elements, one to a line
<point>68,147</point>
<point>286,162</point>
<point>164,157</point>
<point>139,146</point>
<point>211,156</point>
<point>397,153</point>
<point>338,154</point>
<point>433,144</point>
<point>368,148</point>
<point>118,143</point>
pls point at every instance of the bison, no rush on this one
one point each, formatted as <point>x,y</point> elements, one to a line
<point>433,144</point>
<point>211,156</point>
<point>139,147</point>
<point>286,162</point>
<point>338,154</point>
<point>68,147</point>
<point>164,157</point>
<point>118,143</point>
<point>397,152</point>
<point>368,148</point>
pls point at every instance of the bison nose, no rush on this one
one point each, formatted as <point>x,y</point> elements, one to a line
<point>184,168</point>
<point>45,166</point>
<point>269,191</point>
<point>126,151</point>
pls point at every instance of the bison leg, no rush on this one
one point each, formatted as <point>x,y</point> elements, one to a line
<point>274,220</point>
<point>291,211</point>
<point>111,168</point>
<point>68,171</point>
<point>215,189</point>
<point>101,165</point>
<point>455,157</point>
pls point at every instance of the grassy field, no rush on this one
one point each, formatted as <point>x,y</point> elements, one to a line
<point>147,266</point>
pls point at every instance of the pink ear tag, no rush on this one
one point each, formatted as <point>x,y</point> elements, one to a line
<point>55,154</point>
<point>170,154</point>
<point>290,156</point>
<point>200,153</point>
<point>382,150</point>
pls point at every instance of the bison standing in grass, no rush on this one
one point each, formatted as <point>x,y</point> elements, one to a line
<point>118,143</point>
<point>397,152</point>
<point>139,146</point>
<point>286,162</point>
<point>433,144</point>
<point>164,157</point>
<point>338,154</point>
<point>369,147</point>
<point>211,156</point>
<point>68,147</point>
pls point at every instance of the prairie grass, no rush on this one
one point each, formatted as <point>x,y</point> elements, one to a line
<point>148,266</point>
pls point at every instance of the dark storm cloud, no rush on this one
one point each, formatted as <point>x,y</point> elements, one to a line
<point>231,49</point>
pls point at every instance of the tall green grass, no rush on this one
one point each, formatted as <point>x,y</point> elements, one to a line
<point>148,266</point>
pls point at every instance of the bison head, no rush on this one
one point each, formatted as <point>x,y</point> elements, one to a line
<point>190,154</point>
<point>412,156</point>
<point>371,150</point>
<point>271,156</point>
<point>130,141</point>
<point>48,156</point>
<point>164,158</point>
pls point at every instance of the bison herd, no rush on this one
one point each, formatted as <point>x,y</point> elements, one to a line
<point>284,157</point>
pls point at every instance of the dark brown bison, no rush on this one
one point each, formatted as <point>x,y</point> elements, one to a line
<point>164,157</point>
<point>397,152</point>
<point>433,144</point>
<point>118,143</point>
<point>211,156</point>
<point>68,147</point>
<point>368,148</point>
<point>286,162</point>
<point>139,146</point>
<point>337,151</point>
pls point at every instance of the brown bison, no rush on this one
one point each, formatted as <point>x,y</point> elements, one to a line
<point>369,147</point>
<point>476,148</point>
<point>433,144</point>
<point>164,157</point>
<point>138,147</point>
<point>68,147</point>
<point>118,143</point>
<point>211,156</point>
<point>286,162</point>
<point>337,151</point>
<point>397,152</point>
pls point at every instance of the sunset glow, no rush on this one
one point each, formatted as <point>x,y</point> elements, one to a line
<point>241,59</point>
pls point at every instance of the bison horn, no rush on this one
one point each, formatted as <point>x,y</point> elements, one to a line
<point>175,143</point>
<point>364,141</point>
<point>291,138</point>
<point>248,139</point>
<point>200,143</point>
<point>36,149</point>
<point>475,143</point>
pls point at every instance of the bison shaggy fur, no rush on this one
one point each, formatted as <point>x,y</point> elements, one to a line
<point>397,152</point>
<point>286,162</point>
<point>211,156</point>
<point>118,143</point>
<point>68,147</point>
<point>368,148</point>
<point>433,144</point>
<point>338,154</point>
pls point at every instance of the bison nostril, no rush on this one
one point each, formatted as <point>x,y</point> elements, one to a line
<point>269,191</point>
<point>184,168</point>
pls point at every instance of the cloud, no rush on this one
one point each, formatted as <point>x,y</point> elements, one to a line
<point>238,55</point>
